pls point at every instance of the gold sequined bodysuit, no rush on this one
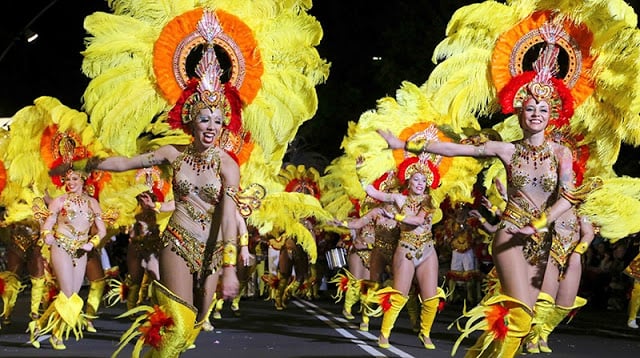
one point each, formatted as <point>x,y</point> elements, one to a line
<point>20,238</point>
<point>197,188</point>
<point>532,179</point>
<point>69,237</point>
<point>386,239</point>
<point>565,238</point>
<point>417,243</point>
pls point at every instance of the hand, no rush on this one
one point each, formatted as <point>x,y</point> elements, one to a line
<point>230,284</point>
<point>370,190</point>
<point>60,169</point>
<point>49,239</point>
<point>147,201</point>
<point>475,213</point>
<point>87,247</point>
<point>392,141</point>
<point>526,230</point>
<point>245,256</point>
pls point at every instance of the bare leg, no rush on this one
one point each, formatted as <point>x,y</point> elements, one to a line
<point>175,275</point>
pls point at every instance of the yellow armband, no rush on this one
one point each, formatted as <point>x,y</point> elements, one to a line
<point>415,147</point>
<point>540,224</point>
<point>399,217</point>
<point>95,240</point>
<point>243,240</point>
<point>581,248</point>
<point>229,255</point>
<point>482,220</point>
<point>494,209</point>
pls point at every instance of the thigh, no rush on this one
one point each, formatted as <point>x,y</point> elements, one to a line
<point>427,276</point>
<point>175,274</point>
<point>513,270</point>
<point>403,271</point>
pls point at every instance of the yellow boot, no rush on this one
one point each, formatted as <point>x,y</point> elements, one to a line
<point>174,326</point>
<point>367,289</point>
<point>62,317</point>
<point>96,290</point>
<point>553,319</point>
<point>634,305</point>
<point>217,310</point>
<point>12,287</point>
<point>544,306</point>
<point>427,316</point>
<point>351,297</point>
<point>206,324</point>
<point>280,292</point>
<point>38,287</point>
<point>505,321</point>
<point>143,290</point>
<point>133,292</point>
<point>391,303</point>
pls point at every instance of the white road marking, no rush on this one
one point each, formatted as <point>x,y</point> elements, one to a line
<point>330,319</point>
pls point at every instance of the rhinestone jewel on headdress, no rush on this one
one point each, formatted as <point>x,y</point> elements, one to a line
<point>208,69</point>
<point>546,65</point>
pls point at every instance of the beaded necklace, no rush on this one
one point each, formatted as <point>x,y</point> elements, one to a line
<point>532,154</point>
<point>199,161</point>
<point>414,202</point>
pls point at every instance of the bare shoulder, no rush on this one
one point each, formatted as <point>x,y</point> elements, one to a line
<point>561,150</point>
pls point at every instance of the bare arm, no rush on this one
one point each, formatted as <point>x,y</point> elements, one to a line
<point>448,149</point>
<point>229,227</point>
<point>162,155</point>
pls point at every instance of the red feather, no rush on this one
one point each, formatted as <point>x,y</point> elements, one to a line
<point>2,286</point>
<point>497,321</point>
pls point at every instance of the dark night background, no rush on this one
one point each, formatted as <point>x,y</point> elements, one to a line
<point>402,32</point>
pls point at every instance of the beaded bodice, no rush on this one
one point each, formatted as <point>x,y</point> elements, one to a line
<point>197,175</point>
<point>197,187</point>
<point>532,174</point>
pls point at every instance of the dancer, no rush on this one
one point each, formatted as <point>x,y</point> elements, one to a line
<point>200,240</point>
<point>539,172</point>
<point>415,254</point>
<point>67,231</point>
<point>633,271</point>
<point>571,237</point>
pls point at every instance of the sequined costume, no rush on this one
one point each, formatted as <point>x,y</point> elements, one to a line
<point>417,245</point>
<point>21,238</point>
<point>386,238</point>
<point>197,187</point>
<point>565,238</point>
<point>532,170</point>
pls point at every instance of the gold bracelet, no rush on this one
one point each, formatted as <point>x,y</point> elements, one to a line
<point>243,240</point>
<point>494,209</point>
<point>95,240</point>
<point>157,206</point>
<point>345,223</point>
<point>581,248</point>
<point>399,217</point>
<point>45,232</point>
<point>482,220</point>
<point>229,255</point>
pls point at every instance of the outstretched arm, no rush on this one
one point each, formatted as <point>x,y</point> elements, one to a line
<point>447,149</point>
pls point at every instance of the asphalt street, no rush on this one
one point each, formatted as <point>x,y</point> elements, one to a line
<point>308,329</point>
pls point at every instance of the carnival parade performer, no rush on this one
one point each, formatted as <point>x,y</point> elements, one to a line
<point>200,240</point>
<point>539,171</point>
<point>415,254</point>
<point>633,271</point>
<point>67,230</point>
